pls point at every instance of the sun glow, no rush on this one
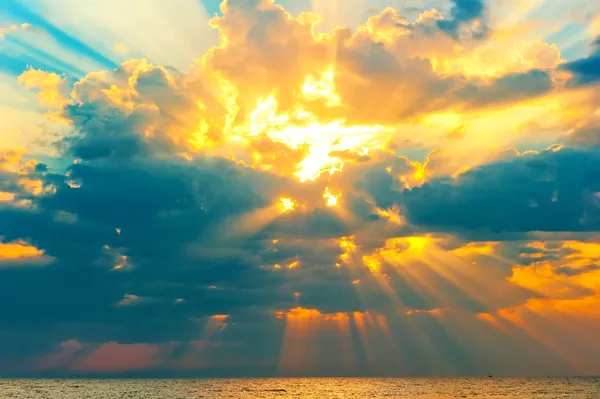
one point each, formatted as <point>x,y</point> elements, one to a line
<point>300,128</point>
<point>322,89</point>
<point>353,333</point>
<point>287,204</point>
<point>330,198</point>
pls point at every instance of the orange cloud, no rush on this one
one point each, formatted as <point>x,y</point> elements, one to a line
<point>571,272</point>
<point>6,196</point>
<point>20,252</point>
<point>565,276</point>
<point>52,89</point>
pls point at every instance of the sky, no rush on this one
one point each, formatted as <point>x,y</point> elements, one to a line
<point>299,188</point>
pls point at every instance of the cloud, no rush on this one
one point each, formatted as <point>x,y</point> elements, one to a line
<point>182,273</point>
<point>226,104</point>
<point>351,198</point>
<point>587,135</point>
<point>565,274</point>
<point>519,195</point>
<point>463,11</point>
<point>21,179</point>
<point>508,88</point>
<point>161,211</point>
<point>14,28</point>
<point>585,70</point>
<point>19,253</point>
<point>178,267</point>
<point>51,88</point>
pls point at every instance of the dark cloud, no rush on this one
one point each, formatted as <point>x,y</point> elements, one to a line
<point>40,167</point>
<point>508,88</point>
<point>108,133</point>
<point>160,222</point>
<point>586,70</point>
<point>164,217</point>
<point>552,191</point>
<point>463,11</point>
<point>157,209</point>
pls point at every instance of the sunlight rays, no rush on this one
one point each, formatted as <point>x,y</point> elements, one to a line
<point>310,338</point>
<point>168,35</point>
<point>342,187</point>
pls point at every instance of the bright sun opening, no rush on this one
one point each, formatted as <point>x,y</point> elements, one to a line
<point>300,128</point>
<point>287,204</point>
<point>330,198</point>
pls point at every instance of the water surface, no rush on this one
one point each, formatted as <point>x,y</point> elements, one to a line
<point>305,388</point>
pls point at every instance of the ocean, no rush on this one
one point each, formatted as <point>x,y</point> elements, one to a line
<point>304,388</point>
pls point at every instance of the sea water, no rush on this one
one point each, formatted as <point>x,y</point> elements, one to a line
<point>304,388</point>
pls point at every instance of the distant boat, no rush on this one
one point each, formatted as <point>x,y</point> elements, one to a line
<point>490,376</point>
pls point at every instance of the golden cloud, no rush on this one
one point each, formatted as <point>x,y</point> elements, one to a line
<point>21,252</point>
<point>276,95</point>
